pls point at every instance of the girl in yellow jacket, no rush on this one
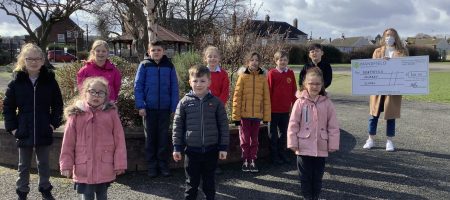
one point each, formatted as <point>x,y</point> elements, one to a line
<point>251,105</point>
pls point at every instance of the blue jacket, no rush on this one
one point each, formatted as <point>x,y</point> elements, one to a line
<point>156,85</point>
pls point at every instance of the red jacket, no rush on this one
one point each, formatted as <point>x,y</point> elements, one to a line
<point>282,89</point>
<point>110,73</point>
<point>220,85</point>
<point>93,146</point>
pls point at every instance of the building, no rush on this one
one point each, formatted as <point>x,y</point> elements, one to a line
<point>65,32</point>
<point>277,30</point>
<point>439,44</point>
<point>349,44</point>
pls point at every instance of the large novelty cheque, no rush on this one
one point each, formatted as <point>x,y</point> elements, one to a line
<point>395,76</point>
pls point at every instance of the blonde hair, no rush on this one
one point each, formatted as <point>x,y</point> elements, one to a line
<point>96,44</point>
<point>26,48</point>
<point>280,54</point>
<point>398,44</point>
<point>314,72</point>
<point>211,49</point>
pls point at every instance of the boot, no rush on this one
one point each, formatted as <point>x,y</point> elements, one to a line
<point>22,195</point>
<point>46,193</point>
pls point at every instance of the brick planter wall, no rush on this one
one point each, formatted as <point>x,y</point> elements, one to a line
<point>135,148</point>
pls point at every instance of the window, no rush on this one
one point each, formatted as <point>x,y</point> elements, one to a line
<point>61,38</point>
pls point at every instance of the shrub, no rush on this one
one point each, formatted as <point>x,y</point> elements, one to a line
<point>363,53</point>
<point>332,54</point>
<point>415,50</point>
<point>298,55</point>
<point>182,64</point>
<point>82,55</point>
<point>5,57</point>
<point>55,46</point>
<point>129,116</point>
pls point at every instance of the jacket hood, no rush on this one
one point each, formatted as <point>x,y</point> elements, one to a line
<point>81,107</point>
<point>305,96</point>
<point>44,74</point>
<point>164,59</point>
<point>108,64</point>
<point>192,94</point>
<point>245,70</point>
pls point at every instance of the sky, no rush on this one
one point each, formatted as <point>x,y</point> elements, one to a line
<point>329,18</point>
<point>332,18</point>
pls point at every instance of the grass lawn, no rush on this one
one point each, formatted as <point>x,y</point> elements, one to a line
<point>439,87</point>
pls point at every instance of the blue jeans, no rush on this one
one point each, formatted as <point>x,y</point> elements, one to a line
<point>390,126</point>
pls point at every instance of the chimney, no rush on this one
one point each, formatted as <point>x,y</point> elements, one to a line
<point>295,23</point>
<point>267,18</point>
<point>342,36</point>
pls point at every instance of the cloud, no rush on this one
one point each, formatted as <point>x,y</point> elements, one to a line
<point>331,18</point>
<point>11,29</point>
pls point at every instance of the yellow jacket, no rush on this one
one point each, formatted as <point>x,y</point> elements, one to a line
<point>251,97</point>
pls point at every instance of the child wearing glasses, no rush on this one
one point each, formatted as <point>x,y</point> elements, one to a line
<point>93,150</point>
<point>32,109</point>
<point>98,64</point>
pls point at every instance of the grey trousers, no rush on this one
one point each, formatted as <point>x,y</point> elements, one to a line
<point>42,161</point>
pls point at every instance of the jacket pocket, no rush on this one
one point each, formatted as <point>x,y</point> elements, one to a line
<point>23,130</point>
<point>81,166</point>
<point>107,164</point>
<point>323,134</point>
<point>304,133</point>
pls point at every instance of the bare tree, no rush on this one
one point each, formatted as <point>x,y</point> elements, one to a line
<point>46,11</point>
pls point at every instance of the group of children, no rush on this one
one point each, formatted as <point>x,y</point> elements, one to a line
<point>93,150</point>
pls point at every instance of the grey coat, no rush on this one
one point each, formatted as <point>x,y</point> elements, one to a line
<point>200,125</point>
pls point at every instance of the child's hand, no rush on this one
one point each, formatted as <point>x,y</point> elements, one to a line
<point>222,155</point>
<point>176,156</point>
<point>142,112</point>
<point>66,173</point>
<point>332,150</point>
<point>119,172</point>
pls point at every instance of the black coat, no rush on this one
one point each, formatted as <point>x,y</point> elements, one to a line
<point>326,71</point>
<point>31,109</point>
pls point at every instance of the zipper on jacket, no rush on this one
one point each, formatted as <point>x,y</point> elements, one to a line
<point>201,125</point>
<point>34,112</point>
<point>253,100</point>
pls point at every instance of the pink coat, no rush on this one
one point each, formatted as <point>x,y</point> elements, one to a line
<point>94,144</point>
<point>313,127</point>
<point>109,72</point>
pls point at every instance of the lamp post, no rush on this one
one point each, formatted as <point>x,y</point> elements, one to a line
<point>87,37</point>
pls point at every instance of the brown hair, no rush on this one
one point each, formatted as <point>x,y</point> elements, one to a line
<point>155,43</point>
<point>199,71</point>
<point>250,56</point>
<point>398,44</point>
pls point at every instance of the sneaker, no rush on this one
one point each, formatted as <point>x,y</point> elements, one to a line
<point>369,144</point>
<point>245,167</point>
<point>253,167</point>
<point>389,145</point>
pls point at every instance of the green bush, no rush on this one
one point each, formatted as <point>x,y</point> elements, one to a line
<point>298,55</point>
<point>82,55</point>
<point>332,54</point>
<point>363,53</point>
<point>5,57</point>
<point>415,50</point>
<point>129,116</point>
<point>182,64</point>
<point>55,46</point>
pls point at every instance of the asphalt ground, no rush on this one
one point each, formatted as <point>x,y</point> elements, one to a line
<point>418,169</point>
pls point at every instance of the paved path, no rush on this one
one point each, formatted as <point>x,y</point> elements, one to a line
<point>418,169</point>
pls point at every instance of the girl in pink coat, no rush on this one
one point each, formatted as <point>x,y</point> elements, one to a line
<point>93,150</point>
<point>313,132</point>
<point>98,64</point>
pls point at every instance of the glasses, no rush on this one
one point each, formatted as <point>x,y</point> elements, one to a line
<point>33,59</point>
<point>97,94</point>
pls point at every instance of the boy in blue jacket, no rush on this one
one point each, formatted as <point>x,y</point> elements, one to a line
<point>156,96</point>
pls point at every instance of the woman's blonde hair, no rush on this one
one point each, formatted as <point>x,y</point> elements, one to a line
<point>26,48</point>
<point>209,49</point>
<point>96,44</point>
<point>398,44</point>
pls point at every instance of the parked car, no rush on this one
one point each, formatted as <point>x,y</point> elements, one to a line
<point>60,56</point>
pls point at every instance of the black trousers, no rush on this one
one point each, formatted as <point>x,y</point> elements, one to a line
<point>311,171</point>
<point>278,131</point>
<point>156,128</point>
<point>200,166</point>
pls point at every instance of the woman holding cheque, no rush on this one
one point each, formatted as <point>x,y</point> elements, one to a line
<point>391,47</point>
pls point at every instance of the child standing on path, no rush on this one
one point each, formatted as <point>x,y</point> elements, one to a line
<point>220,84</point>
<point>200,129</point>
<point>315,53</point>
<point>93,149</point>
<point>313,132</point>
<point>156,96</point>
<point>33,109</point>
<point>251,104</point>
<point>98,64</point>
<point>282,89</point>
